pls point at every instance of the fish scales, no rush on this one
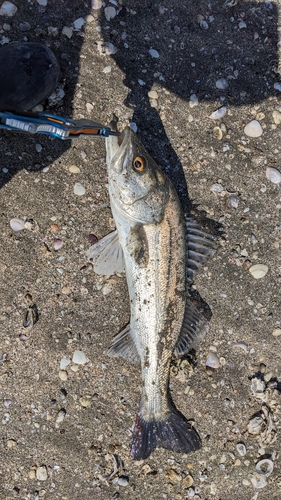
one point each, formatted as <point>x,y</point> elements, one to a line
<point>150,245</point>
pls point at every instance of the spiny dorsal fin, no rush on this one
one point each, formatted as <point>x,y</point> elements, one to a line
<point>193,330</point>
<point>124,346</point>
<point>200,246</point>
<point>107,255</point>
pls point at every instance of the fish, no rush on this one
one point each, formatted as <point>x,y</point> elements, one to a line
<point>159,250</point>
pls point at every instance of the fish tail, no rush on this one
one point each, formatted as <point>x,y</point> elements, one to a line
<point>173,432</point>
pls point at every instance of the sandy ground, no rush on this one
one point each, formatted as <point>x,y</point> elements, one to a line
<point>64,431</point>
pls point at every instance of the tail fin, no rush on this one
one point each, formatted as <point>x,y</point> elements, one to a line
<point>173,433</point>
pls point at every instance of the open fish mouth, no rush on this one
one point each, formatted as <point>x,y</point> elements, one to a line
<point>116,145</point>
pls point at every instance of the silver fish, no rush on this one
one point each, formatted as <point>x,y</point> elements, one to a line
<point>150,245</point>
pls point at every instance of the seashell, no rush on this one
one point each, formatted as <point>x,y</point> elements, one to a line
<point>216,188</point>
<point>273,175</point>
<point>255,425</point>
<point>241,345</point>
<point>258,271</point>
<point>109,13</point>
<point>258,481</point>
<point>241,448</point>
<point>253,129</point>
<point>30,316</point>
<point>17,224</point>
<point>221,84</point>
<point>212,360</point>
<point>58,244</point>
<point>79,189</point>
<point>217,133</point>
<point>203,24</point>
<point>277,86</point>
<point>153,53</point>
<point>218,114</point>
<point>234,202</point>
<point>31,225</point>
<point>265,467</point>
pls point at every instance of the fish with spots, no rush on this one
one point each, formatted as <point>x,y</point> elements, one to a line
<point>159,250</point>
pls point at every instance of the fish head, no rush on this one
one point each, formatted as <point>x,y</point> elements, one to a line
<point>137,186</point>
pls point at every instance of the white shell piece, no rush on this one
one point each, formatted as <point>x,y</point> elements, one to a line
<point>273,175</point>
<point>241,448</point>
<point>17,224</point>
<point>265,467</point>
<point>253,129</point>
<point>221,84</point>
<point>212,360</point>
<point>258,481</point>
<point>218,114</point>
<point>258,271</point>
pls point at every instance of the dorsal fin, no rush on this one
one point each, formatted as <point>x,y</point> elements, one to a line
<point>200,246</point>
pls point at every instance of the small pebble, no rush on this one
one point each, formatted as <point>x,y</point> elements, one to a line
<point>79,189</point>
<point>218,114</point>
<point>253,129</point>
<point>276,115</point>
<point>78,23</point>
<point>17,224</point>
<point>258,271</point>
<point>79,357</point>
<point>8,9</point>
<point>222,84</point>
<point>153,53</point>
<point>277,86</point>
<point>212,360</point>
<point>58,244</point>
<point>110,13</point>
<point>217,133</point>
<point>133,126</point>
<point>41,472</point>
<point>123,481</point>
<point>242,25</point>
<point>187,481</point>
<point>107,70</point>
<point>92,238</point>
<point>61,416</point>
<point>68,32</point>
<point>152,94</point>
<point>63,375</point>
<point>86,401</point>
<point>64,363</point>
<point>234,202</point>
<point>25,26</point>
<point>73,169</point>
<point>107,289</point>
<point>193,101</point>
<point>96,4</point>
<point>173,476</point>
<point>216,188</point>
<point>276,332</point>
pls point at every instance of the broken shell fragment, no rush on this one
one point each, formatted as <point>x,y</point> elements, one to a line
<point>257,386</point>
<point>217,133</point>
<point>253,129</point>
<point>273,175</point>
<point>17,224</point>
<point>258,481</point>
<point>218,114</point>
<point>258,271</point>
<point>241,448</point>
<point>212,360</point>
<point>255,425</point>
<point>264,467</point>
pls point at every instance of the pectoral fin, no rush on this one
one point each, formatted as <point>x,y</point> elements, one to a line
<point>193,330</point>
<point>107,255</point>
<point>124,346</point>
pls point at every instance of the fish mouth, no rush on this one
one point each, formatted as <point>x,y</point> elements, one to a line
<point>116,146</point>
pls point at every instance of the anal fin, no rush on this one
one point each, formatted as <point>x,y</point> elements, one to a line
<point>107,255</point>
<point>193,330</point>
<point>124,346</point>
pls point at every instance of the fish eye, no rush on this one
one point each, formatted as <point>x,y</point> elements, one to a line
<point>139,163</point>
